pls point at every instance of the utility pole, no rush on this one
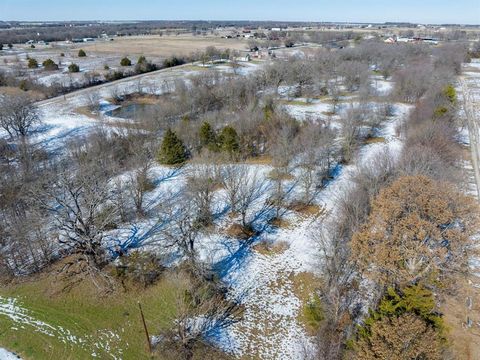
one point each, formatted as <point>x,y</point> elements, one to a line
<point>149,343</point>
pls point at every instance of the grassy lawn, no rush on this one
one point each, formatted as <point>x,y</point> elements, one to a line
<point>109,326</point>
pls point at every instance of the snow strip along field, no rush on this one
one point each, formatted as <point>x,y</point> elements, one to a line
<point>104,342</point>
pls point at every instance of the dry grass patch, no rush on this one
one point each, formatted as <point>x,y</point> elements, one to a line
<point>268,248</point>
<point>276,174</point>
<point>375,140</point>
<point>84,110</point>
<point>239,232</point>
<point>462,339</point>
<point>164,46</point>
<point>307,209</point>
<point>10,90</point>
<point>280,223</point>
<point>259,160</point>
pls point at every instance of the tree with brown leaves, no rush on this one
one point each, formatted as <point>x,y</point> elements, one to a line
<point>398,338</point>
<point>418,229</point>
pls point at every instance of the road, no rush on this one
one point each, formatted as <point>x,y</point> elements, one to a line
<point>471,105</point>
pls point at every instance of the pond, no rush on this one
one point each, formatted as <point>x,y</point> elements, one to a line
<point>134,111</point>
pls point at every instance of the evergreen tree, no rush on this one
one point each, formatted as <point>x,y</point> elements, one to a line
<point>73,68</point>
<point>229,140</point>
<point>50,65</point>
<point>125,62</point>
<point>32,63</point>
<point>208,137</point>
<point>172,151</point>
<point>82,53</point>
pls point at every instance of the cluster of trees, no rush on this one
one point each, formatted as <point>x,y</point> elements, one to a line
<point>403,230</point>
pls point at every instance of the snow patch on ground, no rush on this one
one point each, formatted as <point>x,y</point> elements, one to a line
<point>104,341</point>
<point>6,355</point>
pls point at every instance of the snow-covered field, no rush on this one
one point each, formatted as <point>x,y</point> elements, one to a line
<point>6,355</point>
<point>61,121</point>
<point>267,282</point>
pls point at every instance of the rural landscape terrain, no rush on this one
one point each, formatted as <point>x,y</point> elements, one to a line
<point>239,190</point>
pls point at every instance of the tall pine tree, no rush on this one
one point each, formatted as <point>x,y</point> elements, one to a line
<point>208,137</point>
<point>172,151</point>
<point>229,140</point>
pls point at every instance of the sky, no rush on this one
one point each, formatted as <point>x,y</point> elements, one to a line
<point>417,11</point>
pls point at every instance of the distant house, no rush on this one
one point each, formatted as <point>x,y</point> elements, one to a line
<point>88,39</point>
<point>405,40</point>
<point>245,58</point>
<point>390,40</point>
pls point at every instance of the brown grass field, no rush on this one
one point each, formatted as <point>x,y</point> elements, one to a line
<point>163,46</point>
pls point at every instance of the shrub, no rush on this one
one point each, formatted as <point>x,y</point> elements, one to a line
<point>172,151</point>
<point>144,66</point>
<point>116,75</point>
<point>139,267</point>
<point>81,53</point>
<point>62,54</point>
<point>73,68</point>
<point>32,46</point>
<point>450,93</point>
<point>173,61</point>
<point>50,65</point>
<point>23,85</point>
<point>32,63</point>
<point>313,312</point>
<point>125,62</point>
<point>106,67</point>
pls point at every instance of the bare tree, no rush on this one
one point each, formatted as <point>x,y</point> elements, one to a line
<point>201,185</point>
<point>352,120</point>
<point>18,114</point>
<point>139,179</point>
<point>233,176</point>
<point>92,99</point>
<point>203,309</point>
<point>81,207</point>
<point>181,228</point>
